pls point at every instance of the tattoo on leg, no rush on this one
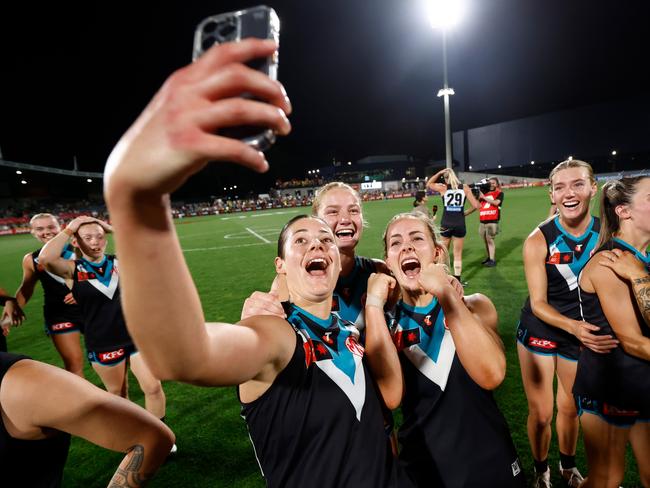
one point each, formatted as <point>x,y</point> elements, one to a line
<point>128,474</point>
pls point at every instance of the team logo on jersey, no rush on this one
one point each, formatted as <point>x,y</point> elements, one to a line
<point>341,361</point>
<point>104,278</point>
<point>427,343</point>
<point>315,351</point>
<point>542,343</point>
<point>406,338</point>
<point>578,248</point>
<point>560,258</point>
<point>353,346</point>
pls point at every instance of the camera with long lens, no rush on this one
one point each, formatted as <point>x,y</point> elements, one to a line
<point>481,186</point>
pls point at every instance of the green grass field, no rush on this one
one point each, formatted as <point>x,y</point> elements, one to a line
<point>231,256</point>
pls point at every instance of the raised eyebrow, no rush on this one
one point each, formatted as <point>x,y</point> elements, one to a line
<point>416,232</point>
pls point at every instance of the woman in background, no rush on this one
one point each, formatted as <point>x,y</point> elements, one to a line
<point>452,225</point>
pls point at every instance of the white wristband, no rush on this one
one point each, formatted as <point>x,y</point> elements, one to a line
<point>374,301</point>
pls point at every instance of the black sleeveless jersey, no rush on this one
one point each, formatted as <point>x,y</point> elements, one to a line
<point>55,290</point>
<point>350,293</point>
<point>453,433</point>
<point>30,463</point>
<point>320,422</point>
<point>566,255</point>
<point>616,378</point>
<point>453,214</point>
<point>96,290</point>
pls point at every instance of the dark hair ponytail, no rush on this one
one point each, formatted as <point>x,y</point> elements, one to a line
<point>615,193</point>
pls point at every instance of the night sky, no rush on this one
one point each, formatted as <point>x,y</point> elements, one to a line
<point>362,74</point>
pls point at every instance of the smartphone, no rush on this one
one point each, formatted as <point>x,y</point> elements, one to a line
<point>261,22</point>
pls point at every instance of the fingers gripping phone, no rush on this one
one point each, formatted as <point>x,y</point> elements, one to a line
<point>261,22</point>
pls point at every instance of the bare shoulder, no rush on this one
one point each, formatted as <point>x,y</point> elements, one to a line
<point>28,262</point>
<point>483,308</point>
<point>477,302</point>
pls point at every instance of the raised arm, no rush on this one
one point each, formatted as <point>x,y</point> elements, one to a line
<point>160,301</point>
<point>380,350</point>
<point>50,255</point>
<point>37,397</point>
<point>534,267</point>
<point>432,182</point>
<point>478,345</point>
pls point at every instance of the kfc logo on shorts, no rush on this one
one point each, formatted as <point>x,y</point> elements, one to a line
<point>354,347</point>
<point>619,412</point>
<point>111,356</point>
<point>62,326</point>
<point>542,343</point>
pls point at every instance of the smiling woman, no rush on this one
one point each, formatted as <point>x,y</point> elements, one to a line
<point>306,392</point>
<point>550,331</point>
<point>451,357</point>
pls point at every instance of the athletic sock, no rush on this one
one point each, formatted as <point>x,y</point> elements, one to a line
<point>541,466</point>
<point>567,462</point>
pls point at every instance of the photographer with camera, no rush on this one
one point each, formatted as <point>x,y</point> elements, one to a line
<point>489,215</point>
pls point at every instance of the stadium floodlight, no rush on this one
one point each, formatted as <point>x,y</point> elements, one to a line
<point>89,180</point>
<point>24,182</point>
<point>532,163</point>
<point>443,15</point>
<point>349,163</point>
<point>570,158</point>
<point>499,166</point>
<point>614,152</point>
<point>18,172</point>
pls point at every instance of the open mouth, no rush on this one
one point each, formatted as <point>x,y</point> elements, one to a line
<point>411,267</point>
<point>345,233</point>
<point>571,204</point>
<point>316,267</point>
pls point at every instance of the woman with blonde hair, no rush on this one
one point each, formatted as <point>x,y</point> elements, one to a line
<point>551,331</point>
<point>452,225</point>
<point>453,433</point>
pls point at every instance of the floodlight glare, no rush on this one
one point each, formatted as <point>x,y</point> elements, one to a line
<point>446,91</point>
<point>18,172</point>
<point>444,14</point>
<point>89,180</point>
<point>614,152</point>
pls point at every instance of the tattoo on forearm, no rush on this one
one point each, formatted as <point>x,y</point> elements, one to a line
<point>641,287</point>
<point>128,474</point>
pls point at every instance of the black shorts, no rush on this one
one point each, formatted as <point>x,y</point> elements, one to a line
<point>620,417</point>
<point>111,357</point>
<point>453,231</point>
<point>540,338</point>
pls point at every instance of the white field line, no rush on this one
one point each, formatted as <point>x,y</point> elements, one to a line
<point>263,239</point>
<point>217,248</point>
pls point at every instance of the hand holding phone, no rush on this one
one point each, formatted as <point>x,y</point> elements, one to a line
<point>261,22</point>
